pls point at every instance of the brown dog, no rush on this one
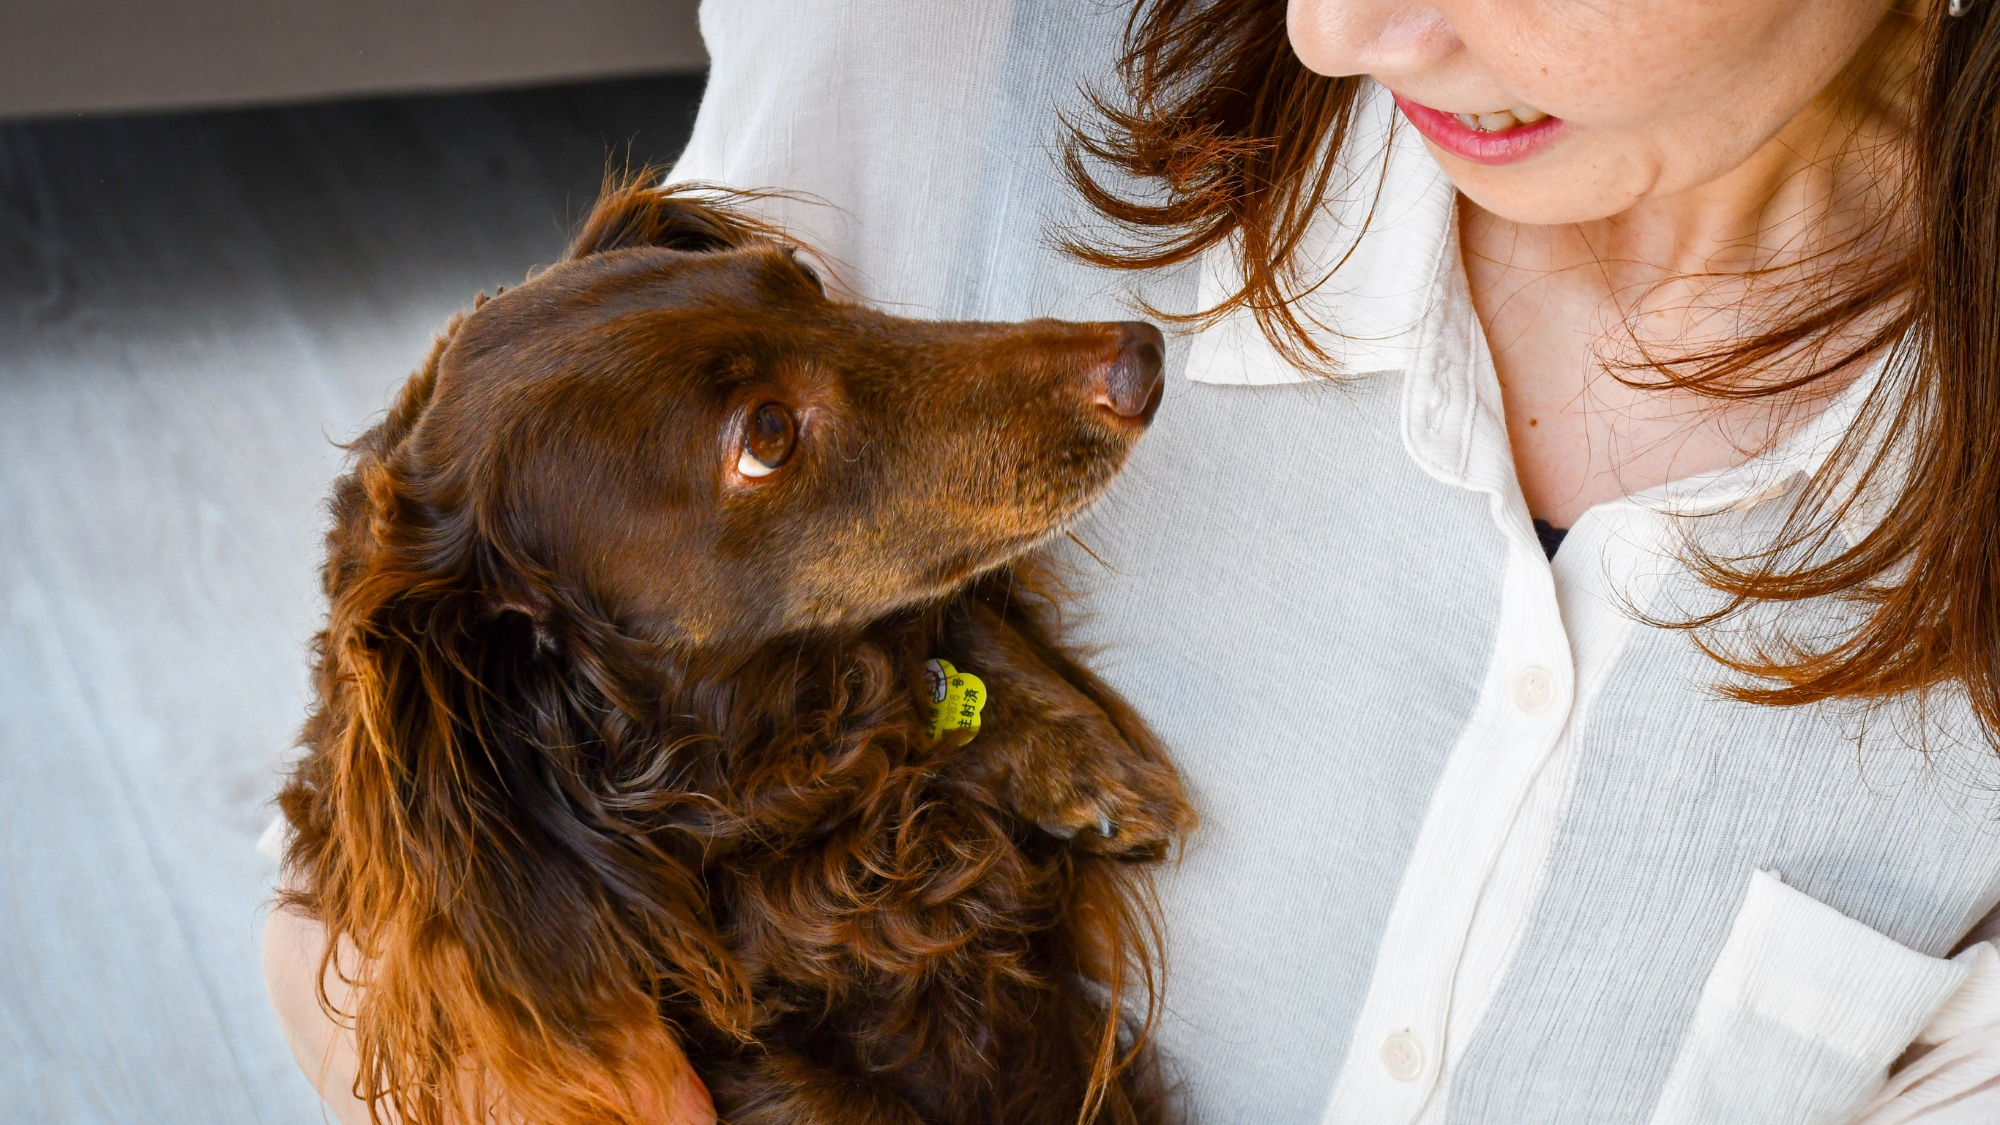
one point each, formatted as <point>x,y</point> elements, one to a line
<point>621,741</point>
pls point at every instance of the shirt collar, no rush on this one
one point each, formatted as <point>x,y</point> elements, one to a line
<point>1859,499</point>
<point>1772,474</point>
<point>1374,307</point>
<point>1397,304</point>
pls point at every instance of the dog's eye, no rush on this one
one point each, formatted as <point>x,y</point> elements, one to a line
<point>767,440</point>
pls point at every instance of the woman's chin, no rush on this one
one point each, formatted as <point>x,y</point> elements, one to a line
<point>1548,192</point>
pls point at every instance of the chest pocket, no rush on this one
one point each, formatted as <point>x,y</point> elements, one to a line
<point>1801,1016</point>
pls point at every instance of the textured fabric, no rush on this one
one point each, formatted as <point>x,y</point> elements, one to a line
<point>1280,732</point>
<point>1475,839</point>
<point>1678,799</point>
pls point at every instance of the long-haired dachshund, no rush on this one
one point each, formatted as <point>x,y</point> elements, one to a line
<point>684,687</point>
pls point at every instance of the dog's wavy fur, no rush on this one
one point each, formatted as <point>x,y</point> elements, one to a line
<point>556,844</point>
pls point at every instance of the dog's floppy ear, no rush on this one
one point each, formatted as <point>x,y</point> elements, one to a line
<point>453,828</point>
<point>688,217</point>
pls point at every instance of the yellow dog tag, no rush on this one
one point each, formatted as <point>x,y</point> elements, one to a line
<point>956,700</point>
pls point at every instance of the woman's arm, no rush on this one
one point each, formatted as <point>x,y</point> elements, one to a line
<point>325,1051</point>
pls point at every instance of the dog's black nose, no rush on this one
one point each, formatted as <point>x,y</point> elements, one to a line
<point>1132,386</point>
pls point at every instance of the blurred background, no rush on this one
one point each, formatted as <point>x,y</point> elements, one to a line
<point>228,229</point>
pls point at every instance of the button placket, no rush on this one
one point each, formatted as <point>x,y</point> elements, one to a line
<point>1389,1076</point>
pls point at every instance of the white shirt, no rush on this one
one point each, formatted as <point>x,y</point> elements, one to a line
<point>1398,299</point>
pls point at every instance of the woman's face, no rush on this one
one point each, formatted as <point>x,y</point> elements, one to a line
<point>1643,98</point>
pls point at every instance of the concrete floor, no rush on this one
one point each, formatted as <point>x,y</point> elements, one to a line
<point>193,309</point>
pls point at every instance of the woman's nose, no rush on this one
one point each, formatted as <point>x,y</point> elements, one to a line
<point>1379,37</point>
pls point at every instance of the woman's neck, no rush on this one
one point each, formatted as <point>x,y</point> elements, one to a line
<point>1568,309</point>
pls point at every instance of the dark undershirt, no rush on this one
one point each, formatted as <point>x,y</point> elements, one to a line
<point>1551,537</point>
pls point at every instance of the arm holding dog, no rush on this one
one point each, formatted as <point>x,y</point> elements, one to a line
<point>294,955</point>
<point>324,1047</point>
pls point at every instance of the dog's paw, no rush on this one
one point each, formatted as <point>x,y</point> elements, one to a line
<point>1123,805</point>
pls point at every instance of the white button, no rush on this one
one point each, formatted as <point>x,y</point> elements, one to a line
<point>1402,1056</point>
<point>1534,689</point>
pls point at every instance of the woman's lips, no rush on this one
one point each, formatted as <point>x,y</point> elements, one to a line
<point>1507,146</point>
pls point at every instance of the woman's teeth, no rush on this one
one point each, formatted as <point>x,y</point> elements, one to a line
<point>1501,121</point>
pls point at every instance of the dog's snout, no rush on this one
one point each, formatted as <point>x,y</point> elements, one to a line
<point>1130,385</point>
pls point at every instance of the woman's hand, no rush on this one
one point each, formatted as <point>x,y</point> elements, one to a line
<point>325,1050</point>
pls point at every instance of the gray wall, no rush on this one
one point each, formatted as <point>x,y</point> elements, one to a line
<point>66,56</point>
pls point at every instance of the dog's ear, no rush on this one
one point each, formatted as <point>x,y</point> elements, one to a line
<point>457,827</point>
<point>691,218</point>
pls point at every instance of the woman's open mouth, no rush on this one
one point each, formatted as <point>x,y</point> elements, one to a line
<point>1500,137</point>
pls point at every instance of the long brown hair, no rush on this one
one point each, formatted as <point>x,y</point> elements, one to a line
<point>1237,140</point>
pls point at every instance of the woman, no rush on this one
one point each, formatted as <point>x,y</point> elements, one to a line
<point>1688,821</point>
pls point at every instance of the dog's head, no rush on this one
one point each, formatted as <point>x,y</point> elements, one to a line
<point>677,425</point>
